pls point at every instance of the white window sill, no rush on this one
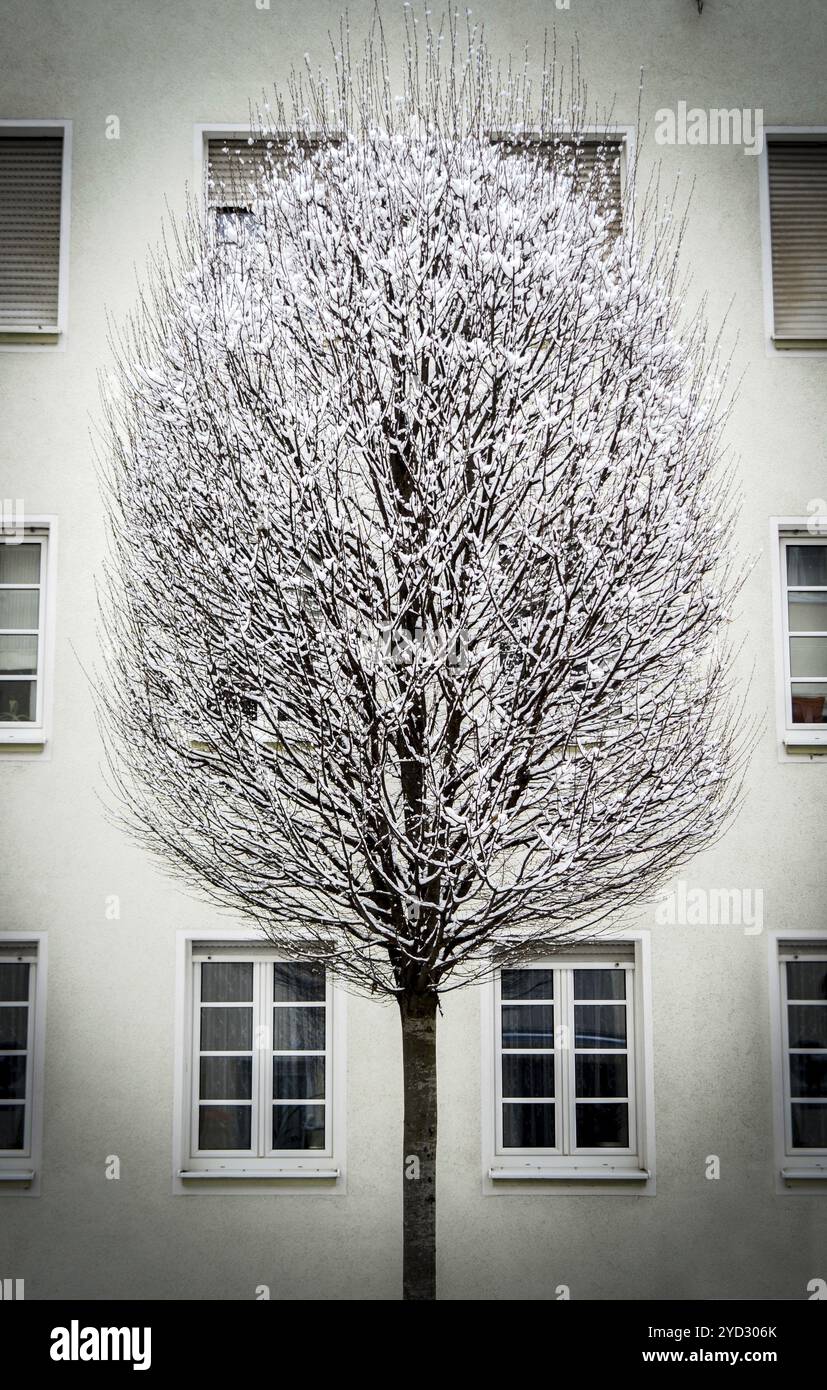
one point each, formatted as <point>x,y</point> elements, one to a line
<point>804,1174</point>
<point>188,1174</point>
<point>17,1177</point>
<point>799,739</point>
<point>570,1174</point>
<point>33,738</point>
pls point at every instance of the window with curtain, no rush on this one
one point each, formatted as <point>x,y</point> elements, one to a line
<point>31,195</point>
<point>261,1053</point>
<point>797,175</point>
<point>804,612</point>
<point>566,1065</point>
<point>803,985</point>
<point>22,611</point>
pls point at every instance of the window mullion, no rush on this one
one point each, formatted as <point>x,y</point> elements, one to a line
<point>566,1062</point>
<point>263,1054</point>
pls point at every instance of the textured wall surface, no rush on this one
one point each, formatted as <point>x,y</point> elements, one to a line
<point>162,68</point>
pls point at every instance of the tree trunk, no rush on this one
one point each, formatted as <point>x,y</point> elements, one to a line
<point>419,1146</point>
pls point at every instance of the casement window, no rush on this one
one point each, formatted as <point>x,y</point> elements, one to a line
<point>22,962</point>
<point>260,1076</point>
<point>796,195</point>
<point>34,223</point>
<point>22,634</point>
<point>802,599</point>
<point>569,1075</point>
<point>801,1056</point>
<point>26,578</point>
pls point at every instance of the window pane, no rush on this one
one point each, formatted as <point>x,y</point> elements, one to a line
<point>12,1120</point>
<point>599,1025</point>
<point>19,607</point>
<point>600,1076</point>
<point>528,1076</point>
<point>224,1126</point>
<point>600,984</point>
<point>299,982</point>
<point>226,980</point>
<point>807,979</point>
<point>807,1025</point>
<point>226,1078</point>
<point>14,1027</point>
<point>12,1078</point>
<point>808,703</point>
<point>809,1126</point>
<point>807,612</point>
<point>298,1078</point>
<point>808,1074</point>
<point>602,1126</point>
<point>528,1126</point>
<point>299,1030</point>
<point>528,984</point>
<point>298,1126</point>
<point>807,564</point>
<point>18,702</point>
<point>808,656</point>
<point>19,564</point>
<point>226,1030</point>
<point>528,1025</point>
<point>14,980</point>
<point>18,654</point>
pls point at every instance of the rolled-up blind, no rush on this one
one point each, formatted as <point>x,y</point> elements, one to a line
<point>31,170</point>
<point>587,154</point>
<point>233,165</point>
<point>610,151</point>
<point>798,231</point>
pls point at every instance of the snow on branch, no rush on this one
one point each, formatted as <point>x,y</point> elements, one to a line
<point>418,590</point>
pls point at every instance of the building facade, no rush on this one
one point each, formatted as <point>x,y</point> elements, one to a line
<point>149,1147</point>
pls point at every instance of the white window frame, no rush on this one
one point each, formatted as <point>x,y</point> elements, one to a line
<point>55,334</point>
<point>795,742</point>
<point>20,1168</point>
<point>303,1170</point>
<point>816,133</point>
<point>579,1170</point>
<point>796,1170</point>
<point>35,734</point>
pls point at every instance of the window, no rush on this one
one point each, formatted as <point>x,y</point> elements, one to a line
<point>801,992</point>
<point>34,188</point>
<point>590,151</point>
<point>233,163</point>
<point>26,576</point>
<point>21,1027</point>
<point>803,627</point>
<point>568,1074</point>
<point>260,1083</point>
<point>797,184</point>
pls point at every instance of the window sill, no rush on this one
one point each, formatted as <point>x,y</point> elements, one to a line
<point>570,1174</point>
<point>800,739</point>
<point>36,737</point>
<point>213,1174</point>
<point>18,1177</point>
<point>804,1174</point>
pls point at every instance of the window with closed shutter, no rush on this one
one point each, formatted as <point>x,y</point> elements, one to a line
<point>31,184</point>
<point>798,230</point>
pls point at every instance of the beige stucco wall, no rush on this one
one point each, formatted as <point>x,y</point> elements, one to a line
<point>109,1065</point>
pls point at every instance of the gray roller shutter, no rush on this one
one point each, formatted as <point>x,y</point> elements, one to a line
<point>798,229</point>
<point>31,171</point>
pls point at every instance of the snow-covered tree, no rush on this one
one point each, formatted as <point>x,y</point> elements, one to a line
<point>416,591</point>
